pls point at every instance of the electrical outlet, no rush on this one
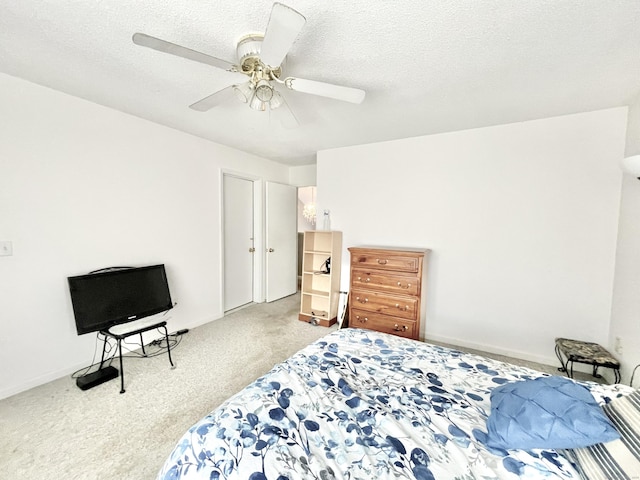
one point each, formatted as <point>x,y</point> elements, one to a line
<point>618,346</point>
<point>6,249</point>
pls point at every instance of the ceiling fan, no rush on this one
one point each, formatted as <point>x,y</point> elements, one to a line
<point>259,67</point>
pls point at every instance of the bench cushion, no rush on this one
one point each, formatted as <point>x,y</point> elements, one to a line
<point>586,352</point>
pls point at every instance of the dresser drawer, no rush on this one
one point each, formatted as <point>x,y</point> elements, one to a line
<point>383,323</point>
<point>375,279</point>
<point>384,261</point>
<point>379,302</point>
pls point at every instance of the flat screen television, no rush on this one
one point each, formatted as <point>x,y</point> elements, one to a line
<point>118,295</point>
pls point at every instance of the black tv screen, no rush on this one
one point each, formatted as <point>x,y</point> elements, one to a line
<point>106,298</point>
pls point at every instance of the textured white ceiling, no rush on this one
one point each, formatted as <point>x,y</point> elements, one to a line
<point>427,66</point>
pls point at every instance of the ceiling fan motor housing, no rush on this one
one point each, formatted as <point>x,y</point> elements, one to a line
<point>248,52</point>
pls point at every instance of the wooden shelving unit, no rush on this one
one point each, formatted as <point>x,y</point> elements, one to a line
<point>320,290</point>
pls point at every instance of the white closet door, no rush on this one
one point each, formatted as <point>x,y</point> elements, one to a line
<point>281,241</point>
<point>238,241</point>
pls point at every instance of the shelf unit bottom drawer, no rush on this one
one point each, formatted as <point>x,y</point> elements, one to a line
<point>324,322</point>
<point>383,323</point>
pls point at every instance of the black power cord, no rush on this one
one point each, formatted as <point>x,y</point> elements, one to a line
<point>109,356</point>
<point>111,350</point>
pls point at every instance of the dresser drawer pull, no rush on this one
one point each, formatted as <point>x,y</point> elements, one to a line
<point>404,309</point>
<point>362,301</point>
<point>400,285</point>
<point>399,328</point>
<point>382,261</point>
<point>362,320</point>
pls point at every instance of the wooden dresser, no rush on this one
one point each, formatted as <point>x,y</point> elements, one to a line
<point>387,289</point>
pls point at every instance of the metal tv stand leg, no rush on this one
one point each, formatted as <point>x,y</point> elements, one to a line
<point>166,336</point>
<point>121,369</point>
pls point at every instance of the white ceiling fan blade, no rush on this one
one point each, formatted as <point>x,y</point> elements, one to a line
<point>213,100</point>
<point>145,40</point>
<point>284,26</point>
<point>285,115</point>
<point>323,89</point>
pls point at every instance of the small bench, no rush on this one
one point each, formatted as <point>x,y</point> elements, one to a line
<point>137,327</point>
<point>585,352</point>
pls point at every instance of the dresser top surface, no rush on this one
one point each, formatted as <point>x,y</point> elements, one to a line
<point>404,250</point>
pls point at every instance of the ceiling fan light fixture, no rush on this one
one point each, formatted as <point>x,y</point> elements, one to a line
<point>257,104</point>
<point>276,100</point>
<point>243,92</point>
<point>264,91</point>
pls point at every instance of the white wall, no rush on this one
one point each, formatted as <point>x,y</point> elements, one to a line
<point>522,221</point>
<point>303,175</point>
<point>84,187</point>
<point>625,314</point>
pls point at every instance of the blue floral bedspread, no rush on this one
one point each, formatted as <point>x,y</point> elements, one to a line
<point>359,404</point>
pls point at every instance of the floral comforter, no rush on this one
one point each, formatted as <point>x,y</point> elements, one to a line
<point>359,404</point>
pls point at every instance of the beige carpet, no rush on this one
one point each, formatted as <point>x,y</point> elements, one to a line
<point>60,432</point>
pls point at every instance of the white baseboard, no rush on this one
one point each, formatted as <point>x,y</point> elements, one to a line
<point>55,375</point>
<point>546,360</point>
<point>40,380</point>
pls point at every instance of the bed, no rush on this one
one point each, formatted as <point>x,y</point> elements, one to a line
<point>359,404</point>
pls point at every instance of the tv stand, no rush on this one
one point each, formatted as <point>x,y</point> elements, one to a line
<point>122,331</point>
